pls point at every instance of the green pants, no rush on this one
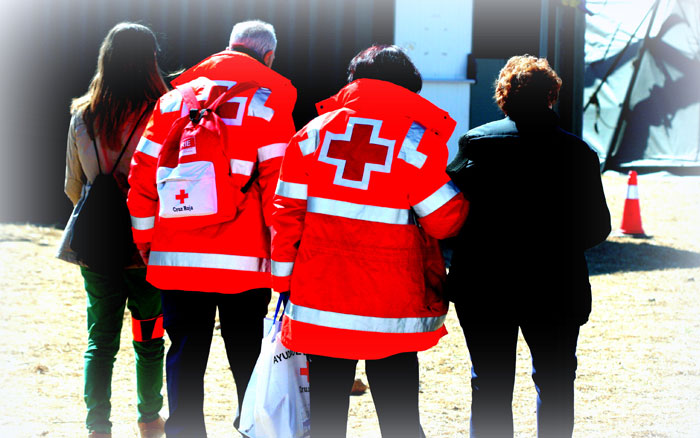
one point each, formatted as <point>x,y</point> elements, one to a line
<point>107,295</point>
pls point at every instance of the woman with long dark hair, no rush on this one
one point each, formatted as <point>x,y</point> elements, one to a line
<point>106,124</point>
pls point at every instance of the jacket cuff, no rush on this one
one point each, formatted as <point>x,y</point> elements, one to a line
<point>281,284</point>
<point>448,219</point>
<point>143,246</point>
<point>142,237</point>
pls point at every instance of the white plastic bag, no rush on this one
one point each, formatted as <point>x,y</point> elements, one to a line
<point>276,402</point>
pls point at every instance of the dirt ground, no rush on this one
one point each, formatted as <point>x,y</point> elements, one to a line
<point>639,356</point>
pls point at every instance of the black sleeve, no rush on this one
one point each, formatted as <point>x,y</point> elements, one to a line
<point>594,224</point>
<point>462,169</point>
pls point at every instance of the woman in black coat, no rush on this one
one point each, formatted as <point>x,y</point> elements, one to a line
<point>537,204</point>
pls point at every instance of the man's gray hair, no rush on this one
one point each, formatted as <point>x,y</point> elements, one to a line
<point>255,35</point>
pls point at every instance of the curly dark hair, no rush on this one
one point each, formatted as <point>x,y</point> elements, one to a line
<point>526,84</point>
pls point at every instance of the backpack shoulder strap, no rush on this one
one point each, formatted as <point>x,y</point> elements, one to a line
<point>91,135</point>
<point>224,97</point>
<point>97,155</point>
<point>128,140</point>
<point>189,97</point>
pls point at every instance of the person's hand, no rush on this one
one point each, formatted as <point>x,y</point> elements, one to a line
<point>144,251</point>
<point>144,256</point>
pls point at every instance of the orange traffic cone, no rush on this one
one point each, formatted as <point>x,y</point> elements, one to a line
<point>631,215</point>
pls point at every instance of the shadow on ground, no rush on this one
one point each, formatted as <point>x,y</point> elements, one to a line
<point>610,257</point>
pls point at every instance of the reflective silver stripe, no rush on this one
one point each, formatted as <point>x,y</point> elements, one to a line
<point>291,190</point>
<point>632,192</point>
<point>270,151</point>
<point>149,147</point>
<point>409,149</point>
<point>238,120</point>
<point>363,323</point>
<point>282,269</point>
<point>439,198</point>
<point>204,260</point>
<point>313,138</point>
<point>257,106</point>
<point>170,102</point>
<point>143,223</point>
<point>309,145</point>
<point>242,167</point>
<point>350,210</point>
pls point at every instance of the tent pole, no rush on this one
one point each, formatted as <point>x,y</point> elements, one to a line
<point>617,59</point>
<point>565,49</point>
<point>544,29</point>
<point>622,118</point>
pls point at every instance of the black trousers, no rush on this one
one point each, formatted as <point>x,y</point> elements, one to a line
<point>393,384</point>
<point>188,318</point>
<point>493,347</point>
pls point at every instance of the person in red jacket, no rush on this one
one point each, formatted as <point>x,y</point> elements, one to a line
<point>224,265</point>
<point>362,197</point>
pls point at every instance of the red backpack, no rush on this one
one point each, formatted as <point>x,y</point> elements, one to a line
<point>194,182</point>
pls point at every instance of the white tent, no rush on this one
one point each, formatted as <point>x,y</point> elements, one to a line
<point>642,89</point>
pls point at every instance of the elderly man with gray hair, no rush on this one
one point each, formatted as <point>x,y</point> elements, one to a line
<point>223,265</point>
<point>254,38</point>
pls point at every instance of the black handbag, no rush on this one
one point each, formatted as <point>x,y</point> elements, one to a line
<point>102,239</point>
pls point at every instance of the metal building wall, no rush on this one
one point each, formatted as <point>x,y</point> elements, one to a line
<point>52,50</point>
<point>438,38</point>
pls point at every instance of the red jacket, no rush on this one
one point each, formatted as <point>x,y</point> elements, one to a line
<point>234,256</point>
<point>365,279</point>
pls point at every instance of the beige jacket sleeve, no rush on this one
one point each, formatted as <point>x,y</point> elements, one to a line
<point>75,177</point>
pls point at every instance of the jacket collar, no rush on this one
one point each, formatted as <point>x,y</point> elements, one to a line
<point>229,63</point>
<point>536,120</point>
<point>250,52</point>
<point>373,95</point>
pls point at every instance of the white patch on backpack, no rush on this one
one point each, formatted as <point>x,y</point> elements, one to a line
<point>188,146</point>
<point>187,190</point>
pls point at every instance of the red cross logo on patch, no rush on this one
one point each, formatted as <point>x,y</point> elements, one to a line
<point>357,152</point>
<point>305,371</point>
<point>182,196</point>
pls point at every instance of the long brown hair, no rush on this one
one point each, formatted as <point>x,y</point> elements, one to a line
<point>126,78</point>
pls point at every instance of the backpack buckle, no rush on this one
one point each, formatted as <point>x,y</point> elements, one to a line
<point>196,115</point>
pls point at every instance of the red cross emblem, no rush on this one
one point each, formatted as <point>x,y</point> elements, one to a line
<point>357,152</point>
<point>182,196</point>
<point>305,371</point>
<point>227,110</point>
